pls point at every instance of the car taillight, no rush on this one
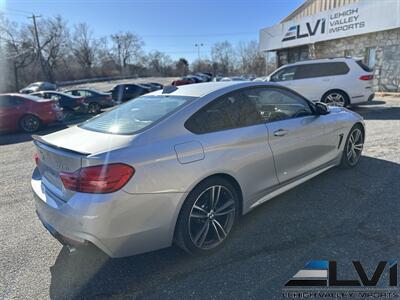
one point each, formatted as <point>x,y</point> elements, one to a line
<point>37,159</point>
<point>367,77</point>
<point>100,179</point>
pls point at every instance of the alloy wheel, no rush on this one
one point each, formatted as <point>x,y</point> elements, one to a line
<point>354,146</point>
<point>335,99</point>
<point>93,108</point>
<point>30,124</point>
<point>211,217</point>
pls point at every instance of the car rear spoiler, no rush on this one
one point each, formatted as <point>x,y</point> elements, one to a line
<point>38,138</point>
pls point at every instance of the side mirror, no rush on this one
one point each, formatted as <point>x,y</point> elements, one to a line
<point>321,108</point>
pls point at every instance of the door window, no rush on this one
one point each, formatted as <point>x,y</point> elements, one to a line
<point>284,74</point>
<point>54,97</point>
<point>234,110</point>
<point>84,93</point>
<point>278,104</point>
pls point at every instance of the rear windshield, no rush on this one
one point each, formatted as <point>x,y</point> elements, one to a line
<point>363,66</point>
<point>136,114</point>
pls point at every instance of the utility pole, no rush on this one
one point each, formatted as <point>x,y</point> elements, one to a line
<point>39,48</point>
<point>198,49</point>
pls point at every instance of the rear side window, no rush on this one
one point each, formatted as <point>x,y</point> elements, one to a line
<point>10,101</point>
<point>363,66</point>
<point>234,110</point>
<point>321,70</point>
<point>136,114</point>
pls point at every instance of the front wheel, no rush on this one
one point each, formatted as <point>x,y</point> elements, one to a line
<point>30,123</point>
<point>68,114</point>
<point>353,147</point>
<point>207,216</point>
<point>94,108</point>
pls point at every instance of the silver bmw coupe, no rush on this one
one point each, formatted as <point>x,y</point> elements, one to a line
<point>182,164</point>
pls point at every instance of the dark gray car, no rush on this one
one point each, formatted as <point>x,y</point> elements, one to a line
<point>96,100</point>
<point>37,87</point>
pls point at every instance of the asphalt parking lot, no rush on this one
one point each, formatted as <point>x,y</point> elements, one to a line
<point>341,215</point>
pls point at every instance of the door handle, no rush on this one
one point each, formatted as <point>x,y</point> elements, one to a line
<point>280,132</point>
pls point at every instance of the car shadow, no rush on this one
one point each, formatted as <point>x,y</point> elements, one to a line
<point>20,137</point>
<point>340,214</point>
<point>381,113</point>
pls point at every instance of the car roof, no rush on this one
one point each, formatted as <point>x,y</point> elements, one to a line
<point>56,93</point>
<point>320,60</point>
<point>82,89</point>
<point>201,89</point>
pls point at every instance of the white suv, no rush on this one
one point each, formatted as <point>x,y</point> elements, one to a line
<point>335,81</point>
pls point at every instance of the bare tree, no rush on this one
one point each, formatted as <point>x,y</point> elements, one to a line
<point>182,67</point>
<point>54,38</point>
<point>84,46</point>
<point>224,56</point>
<point>128,47</point>
<point>251,60</point>
<point>202,65</point>
<point>159,63</point>
<point>18,48</point>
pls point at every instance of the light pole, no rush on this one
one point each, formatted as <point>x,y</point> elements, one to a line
<point>198,49</point>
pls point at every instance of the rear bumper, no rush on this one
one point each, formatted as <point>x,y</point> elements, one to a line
<point>362,99</point>
<point>119,224</point>
<point>371,97</point>
<point>51,117</point>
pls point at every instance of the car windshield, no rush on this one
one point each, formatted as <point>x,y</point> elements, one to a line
<point>135,114</point>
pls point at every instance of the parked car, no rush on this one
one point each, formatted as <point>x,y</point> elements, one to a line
<point>70,104</point>
<point>204,76</point>
<point>334,81</point>
<point>196,78</point>
<point>38,86</point>
<point>183,81</point>
<point>96,100</point>
<point>124,92</point>
<point>159,86</point>
<point>26,112</point>
<point>182,164</point>
<point>150,87</point>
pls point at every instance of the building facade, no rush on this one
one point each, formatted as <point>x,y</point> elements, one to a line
<point>363,29</point>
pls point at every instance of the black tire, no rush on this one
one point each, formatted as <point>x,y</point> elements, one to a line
<point>348,161</point>
<point>191,228</point>
<point>336,98</point>
<point>68,114</point>
<point>94,108</point>
<point>30,123</point>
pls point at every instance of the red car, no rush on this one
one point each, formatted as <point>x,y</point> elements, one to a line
<point>183,81</point>
<point>27,112</point>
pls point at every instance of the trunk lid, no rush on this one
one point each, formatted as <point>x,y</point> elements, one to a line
<point>52,161</point>
<point>67,151</point>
